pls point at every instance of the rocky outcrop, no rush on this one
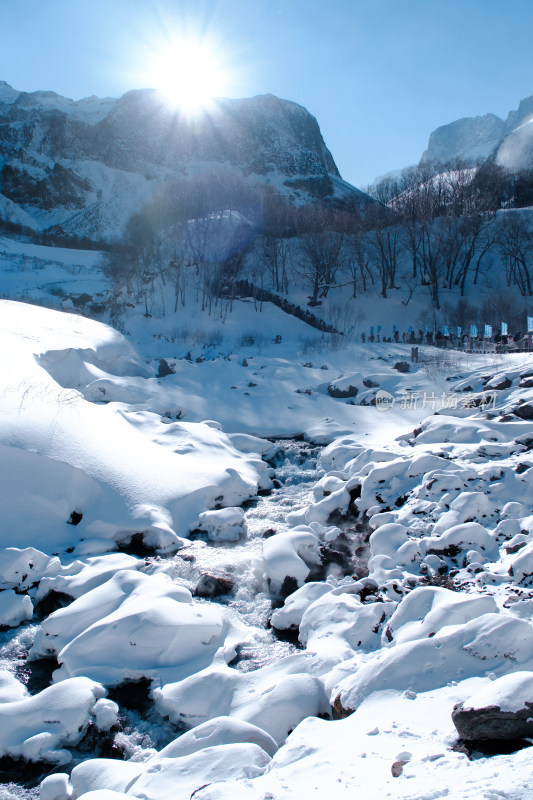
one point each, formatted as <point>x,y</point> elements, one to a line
<point>83,167</point>
<point>472,140</point>
<point>501,711</point>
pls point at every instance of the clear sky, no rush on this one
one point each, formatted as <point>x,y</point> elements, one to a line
<point>379,75</point>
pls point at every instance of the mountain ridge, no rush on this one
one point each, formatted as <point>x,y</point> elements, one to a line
<point>85,166</point>
<point>473,140</point>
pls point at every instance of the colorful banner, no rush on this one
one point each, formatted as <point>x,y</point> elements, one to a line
<point>488,331</point>
<point>473,331</point>
<point>529,324</point>
<point>504,329</point>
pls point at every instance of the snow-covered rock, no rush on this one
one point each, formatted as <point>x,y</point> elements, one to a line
<point>40,728</point>
<point>501,710</point>
<point>132,626</point>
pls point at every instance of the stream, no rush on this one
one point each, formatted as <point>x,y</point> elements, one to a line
<point>228,573</point>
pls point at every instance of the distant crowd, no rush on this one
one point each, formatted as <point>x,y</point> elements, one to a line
<point>516,341</point>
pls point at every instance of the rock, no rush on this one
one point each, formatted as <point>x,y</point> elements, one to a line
<point>213,585</point>
<point>338,711</point>
<point>501,711</point>
<point>346,386</point>
<point>524,411</point>
<point>370,384</point>
<point>342,394</point>
<point>402,366</point>
<point>164,369</point>
<point>499,382</point>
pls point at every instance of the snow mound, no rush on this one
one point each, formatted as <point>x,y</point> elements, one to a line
<point>150,626</point>
<point>39,728</point>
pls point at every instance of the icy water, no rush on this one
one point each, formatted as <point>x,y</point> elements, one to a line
<point>241,562</point>
<point>249,604</point>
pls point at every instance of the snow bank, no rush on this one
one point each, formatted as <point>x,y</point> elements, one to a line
<point>39,728</point>
<point>132,626</point>
<point>114,472</point>
<point>274,698</point>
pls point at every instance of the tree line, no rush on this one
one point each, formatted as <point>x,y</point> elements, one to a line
<point>200,238</point>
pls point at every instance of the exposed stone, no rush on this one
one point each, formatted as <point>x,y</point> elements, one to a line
<point>338,711</point>
<point>164,369</point>
<point>213,585</point>
<point>342,394</point>
<point>402,366</point>
<point>524,411</point>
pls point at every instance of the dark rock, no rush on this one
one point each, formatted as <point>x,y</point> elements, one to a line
<point>505,383</point>
<point>164,369</point>
<point>475,724</point>
<point>288,586</point>
<point>213,585</point>
<point>502,711</point>
<point>75,518</point>
<point>338,711</point>
<point>268,533</point>
<point>527,383</point>
<point>402,366</point>
<point>370,384</point>
<point>520,468</point>
<point>342,394</point>
<point>524,411</point>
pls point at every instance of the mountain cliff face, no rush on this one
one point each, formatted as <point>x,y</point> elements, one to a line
<point>475,139</point>
<point>84,167</point>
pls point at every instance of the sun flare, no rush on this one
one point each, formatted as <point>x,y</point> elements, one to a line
<point>188,74</point>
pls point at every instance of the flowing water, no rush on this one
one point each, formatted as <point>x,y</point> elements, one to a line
<point>248,603</point>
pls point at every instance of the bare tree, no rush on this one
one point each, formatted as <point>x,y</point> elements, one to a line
<point>514,237</point>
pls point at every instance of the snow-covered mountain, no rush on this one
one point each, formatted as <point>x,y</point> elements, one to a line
<point>474,139</point>
<point>83,167</point>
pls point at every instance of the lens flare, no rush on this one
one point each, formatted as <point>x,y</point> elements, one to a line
<point>188,74</point>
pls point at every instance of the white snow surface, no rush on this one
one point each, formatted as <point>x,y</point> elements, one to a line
<point>439,504</point>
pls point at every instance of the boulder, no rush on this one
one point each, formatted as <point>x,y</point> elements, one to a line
<point>213,585</point>
<point>524,411</point>
<point>501,710</point>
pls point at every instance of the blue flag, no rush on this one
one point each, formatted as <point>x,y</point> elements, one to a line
<point>488,331</point>
<point>529,324</point>
<point>473,331</point>
<point>459,329</point>
<point>504,329</point>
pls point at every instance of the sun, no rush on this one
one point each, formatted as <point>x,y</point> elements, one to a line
<point>188,74</point>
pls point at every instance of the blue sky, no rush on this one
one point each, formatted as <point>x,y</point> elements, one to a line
<point>379,75</point>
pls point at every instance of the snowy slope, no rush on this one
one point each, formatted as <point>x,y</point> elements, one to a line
<point>401,563</point>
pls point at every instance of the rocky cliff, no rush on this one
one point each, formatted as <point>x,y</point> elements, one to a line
<point>84,167</point>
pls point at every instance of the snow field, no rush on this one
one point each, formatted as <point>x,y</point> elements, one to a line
<point>443,616</point>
